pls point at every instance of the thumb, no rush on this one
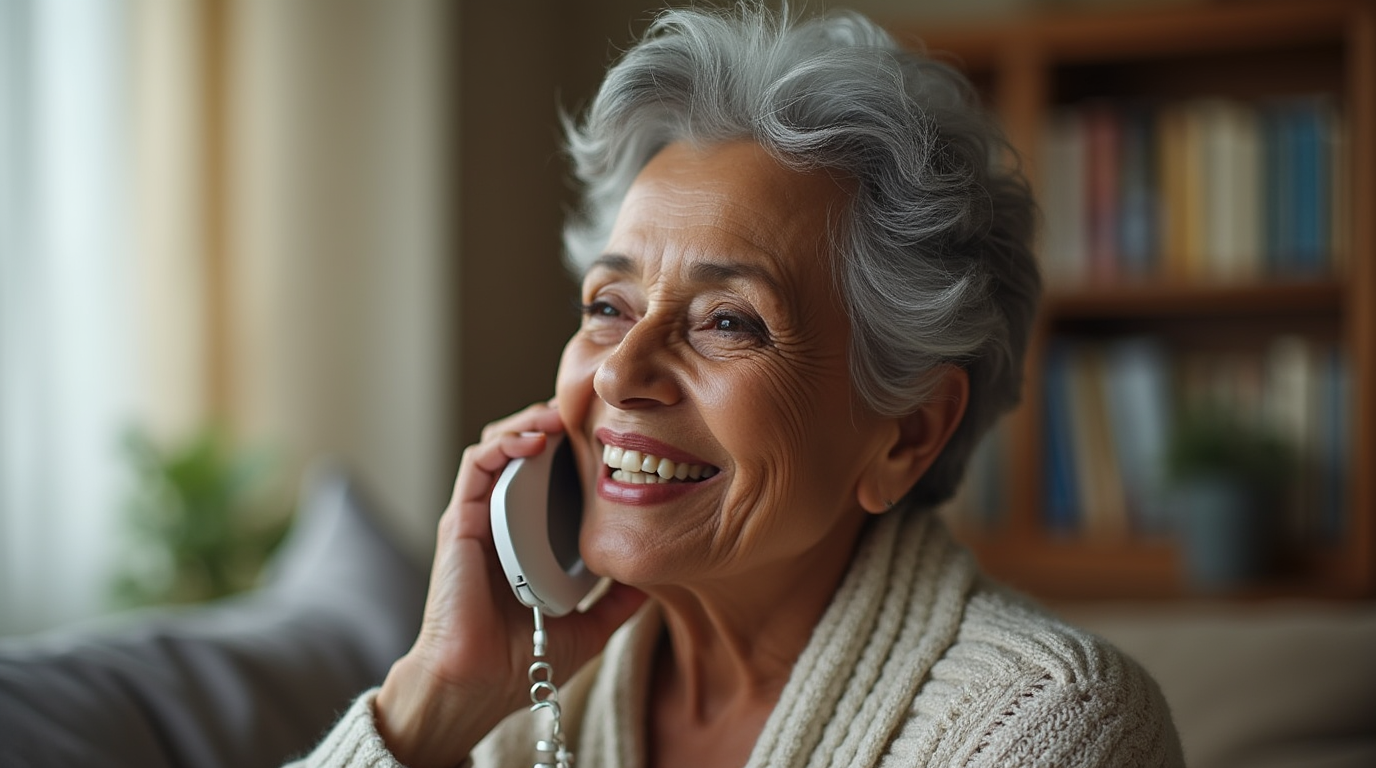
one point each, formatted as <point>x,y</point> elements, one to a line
<point>579,637</point>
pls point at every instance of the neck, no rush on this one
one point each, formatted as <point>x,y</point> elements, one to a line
<point>730,645</point>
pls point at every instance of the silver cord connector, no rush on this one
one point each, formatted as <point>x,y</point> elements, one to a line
<point>539,638</point>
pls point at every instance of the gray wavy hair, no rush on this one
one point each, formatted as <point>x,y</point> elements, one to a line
<point>935,261</point>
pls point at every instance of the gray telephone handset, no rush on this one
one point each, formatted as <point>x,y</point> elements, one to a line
<point>537,510</point>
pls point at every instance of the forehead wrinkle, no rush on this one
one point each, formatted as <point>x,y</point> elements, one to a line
<point>614,262</point>
<point>722,207</point>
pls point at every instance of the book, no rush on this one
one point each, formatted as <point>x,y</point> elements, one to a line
<point>1102,505</point>
<point>1333,444</point>
<point>1137,194</point>
<point>1311,163</point>
<point>1172,159</point>
<point>1102,161</point>
<point>1065,246</point>
<point>1205,190</point>
<point>1059,484</point>
<point>1340,221</point>
<point>1140,413</point>
<point>1292,410</point>
<point>1231,160</point>
<point>1192,191</point>
<point>981,501</point>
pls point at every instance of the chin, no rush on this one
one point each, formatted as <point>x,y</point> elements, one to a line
<point>622,555</point>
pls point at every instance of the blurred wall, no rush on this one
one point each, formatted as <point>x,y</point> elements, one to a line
<point>340,276</point>
<point>519,64</point>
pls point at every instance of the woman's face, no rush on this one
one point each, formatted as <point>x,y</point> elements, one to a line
<point>713,339</point>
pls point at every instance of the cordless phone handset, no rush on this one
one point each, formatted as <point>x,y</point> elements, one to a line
<point>537,510</point>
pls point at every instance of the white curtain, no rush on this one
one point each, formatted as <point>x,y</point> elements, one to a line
<point>319,199</point>
<point>64,335</point>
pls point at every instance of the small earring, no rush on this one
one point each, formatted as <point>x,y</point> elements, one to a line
<point>888,504</point>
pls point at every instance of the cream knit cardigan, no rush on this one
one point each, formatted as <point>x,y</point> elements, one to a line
<point>918,661</point>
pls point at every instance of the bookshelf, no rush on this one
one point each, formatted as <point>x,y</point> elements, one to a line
<point>1258,59</point>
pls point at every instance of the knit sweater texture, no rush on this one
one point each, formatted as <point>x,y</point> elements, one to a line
<point>918,661</point>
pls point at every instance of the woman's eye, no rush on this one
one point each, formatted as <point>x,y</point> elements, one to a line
<point>726,322</point>
<point>599,308</point>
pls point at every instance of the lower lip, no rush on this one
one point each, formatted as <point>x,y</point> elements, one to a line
<point>643,495</point>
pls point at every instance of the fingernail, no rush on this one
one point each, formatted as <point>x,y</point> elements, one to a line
<point>532,434</point>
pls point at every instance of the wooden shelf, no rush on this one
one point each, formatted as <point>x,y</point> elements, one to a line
<point>1149,300</point>
<point>1076,569</point>
<point>1067,568</point>
<point>1251,51</point>
<point>1113,37</point>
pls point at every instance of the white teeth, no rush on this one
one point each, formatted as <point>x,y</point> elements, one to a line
<point>637,468</point>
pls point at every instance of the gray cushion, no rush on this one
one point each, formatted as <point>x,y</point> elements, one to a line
<point>245,682</point>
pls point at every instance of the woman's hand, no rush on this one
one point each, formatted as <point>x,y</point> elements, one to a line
<point>467,669</point>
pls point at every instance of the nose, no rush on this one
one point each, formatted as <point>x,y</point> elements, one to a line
<point>639,372</point>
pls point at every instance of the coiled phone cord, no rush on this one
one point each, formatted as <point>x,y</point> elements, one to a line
<point>550,752</point>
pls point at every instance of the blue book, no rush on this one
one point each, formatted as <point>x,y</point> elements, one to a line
<point>1310,186</point>
<point>986,472</point>
<point>1335,447</point>
<point>1061,511</point>
<point>1137,225</point>
<point>1139,406</point>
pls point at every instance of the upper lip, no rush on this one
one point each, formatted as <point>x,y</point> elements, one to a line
<point>637,442</point>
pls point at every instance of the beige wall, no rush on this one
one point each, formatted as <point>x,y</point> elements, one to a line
<point>169,146</point>
<point>341,275</point>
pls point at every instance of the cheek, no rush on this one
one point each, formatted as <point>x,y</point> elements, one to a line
<point>766,419</point>
<point>573,384</point>
<point>796,437</point>
<point>780,402</point>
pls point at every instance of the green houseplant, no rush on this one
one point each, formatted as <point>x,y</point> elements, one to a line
<point>201,520</point>
<point>1228,477</point>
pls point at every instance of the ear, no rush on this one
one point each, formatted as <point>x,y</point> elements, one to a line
<point>913,442</point>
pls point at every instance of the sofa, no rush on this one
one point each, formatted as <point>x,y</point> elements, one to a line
<point>256,680</point>
<point>249,681</point>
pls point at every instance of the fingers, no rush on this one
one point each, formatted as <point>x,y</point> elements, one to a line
<point>537,417</point>
<point>520,435</point>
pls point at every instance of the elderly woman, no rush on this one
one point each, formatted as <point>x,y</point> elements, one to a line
<point>807,288</point>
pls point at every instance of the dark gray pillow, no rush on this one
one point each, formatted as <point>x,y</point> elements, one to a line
<point>246,682</point>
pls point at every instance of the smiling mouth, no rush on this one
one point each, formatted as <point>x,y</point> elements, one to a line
<point>639,468</point>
